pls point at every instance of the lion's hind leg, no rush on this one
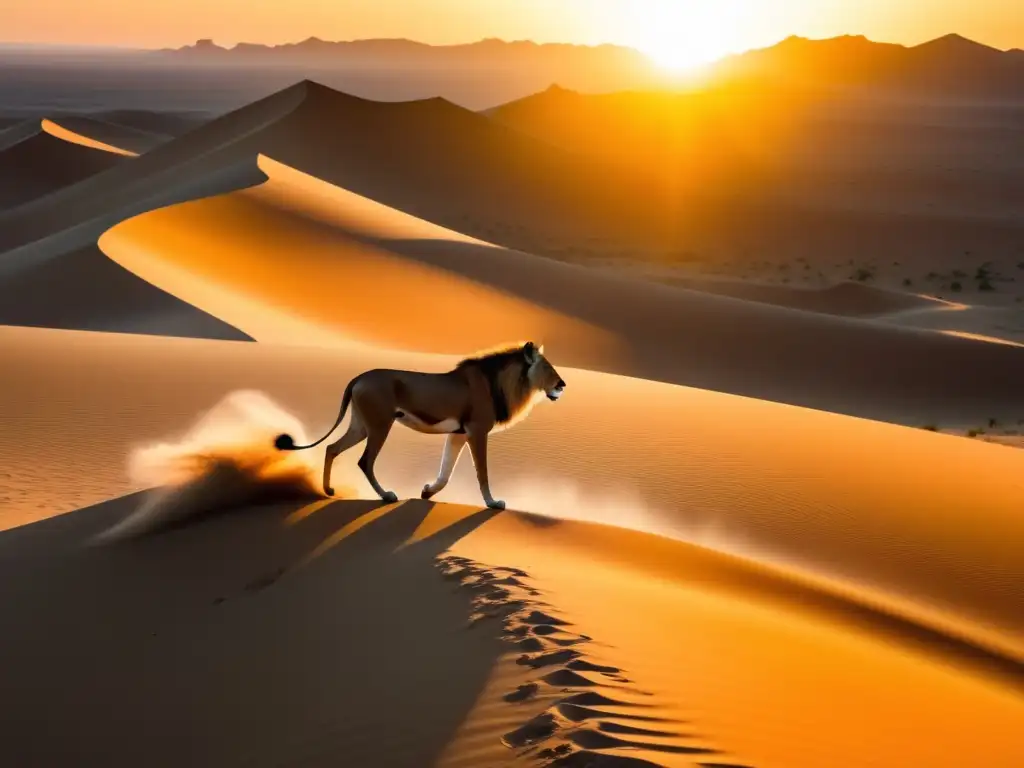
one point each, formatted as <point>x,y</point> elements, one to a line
<point>356,434</point>
<point>378,433</point>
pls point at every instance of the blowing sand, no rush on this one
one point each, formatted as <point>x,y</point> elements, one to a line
<point>696,569</point>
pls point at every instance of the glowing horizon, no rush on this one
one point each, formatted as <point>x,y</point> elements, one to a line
<point>677,34</point>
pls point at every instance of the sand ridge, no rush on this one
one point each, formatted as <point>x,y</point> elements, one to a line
<point>38,158</point>
<point>590,318</point>
<point>591,710</point>
<point>111,137</point>
<point>912,533</point>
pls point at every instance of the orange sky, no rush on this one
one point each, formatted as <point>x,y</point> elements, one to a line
<point>709,27</point>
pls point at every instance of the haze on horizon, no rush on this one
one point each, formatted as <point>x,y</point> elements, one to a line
<point>678,33</point>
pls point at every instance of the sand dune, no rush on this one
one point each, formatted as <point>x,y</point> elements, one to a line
<point>690,578</point>
<point>299,259</point>
<point>727,679</point>
<point>169,622</point>
<point>716,466</point>
<point>62,280</point>
<point>37,158</point>
<point>402,154</point>
<point>41,281</point>
<point>49,294</point>
<point>846,298</point>
<point>120,139</point>
<point>871,556</point>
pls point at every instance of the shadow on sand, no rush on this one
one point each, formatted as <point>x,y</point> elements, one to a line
<point>280,635</point>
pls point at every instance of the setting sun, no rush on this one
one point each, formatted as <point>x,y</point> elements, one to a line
<point>681,35</point>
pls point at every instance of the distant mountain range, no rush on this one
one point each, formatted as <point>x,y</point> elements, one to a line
<point>951,65</point>
<point>316,49</point>
<point>559,57</point>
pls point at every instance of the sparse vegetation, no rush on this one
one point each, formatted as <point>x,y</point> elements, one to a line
<point>907,282</point>
<point>992,422</point>
<point>973,432</point>
<point>930,428</point>
<point>863,275</point>
<point>985,285</point>
<point>959,274</point>
<point>956,287</point>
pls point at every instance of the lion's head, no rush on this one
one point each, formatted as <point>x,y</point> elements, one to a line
<point>542,375</point>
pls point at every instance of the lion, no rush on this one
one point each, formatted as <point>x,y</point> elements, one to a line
<point>480,395</point>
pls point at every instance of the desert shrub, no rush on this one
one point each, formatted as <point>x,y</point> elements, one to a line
<point>930,428</point>
<point>862,275</point>
<point>985,285</point>
<point>907,282</point>
<point>956,287</point>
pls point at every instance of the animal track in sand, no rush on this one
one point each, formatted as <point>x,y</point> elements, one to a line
<point>582,727</point>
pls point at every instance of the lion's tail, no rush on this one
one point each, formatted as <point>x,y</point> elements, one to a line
<point>286,443</point>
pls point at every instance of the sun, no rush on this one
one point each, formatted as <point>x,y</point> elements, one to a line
<point>682,35</point>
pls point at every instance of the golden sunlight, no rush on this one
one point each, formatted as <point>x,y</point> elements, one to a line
<point>683,34</point>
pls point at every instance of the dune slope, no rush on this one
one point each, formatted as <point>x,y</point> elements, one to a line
<point>845,299</point>
<point>84,290</point>
<point>892,513</point>
<point>321,257</point>
<point>537,634</point>
<point>681,657</point>
<point>401,153</point>
<point>35,160</point>
<point>121,139</point>
<point>358,657</point>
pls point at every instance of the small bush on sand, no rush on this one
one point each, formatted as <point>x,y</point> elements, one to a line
<point>956,287</point>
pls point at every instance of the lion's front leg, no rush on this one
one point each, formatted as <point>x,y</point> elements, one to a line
<point>478,447</point>
<point>452,450</point>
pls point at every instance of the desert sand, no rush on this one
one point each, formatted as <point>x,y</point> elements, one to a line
<point>728,545</point>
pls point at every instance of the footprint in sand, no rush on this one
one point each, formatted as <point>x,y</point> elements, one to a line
<point>524,692</point>
<point>583,727</point>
